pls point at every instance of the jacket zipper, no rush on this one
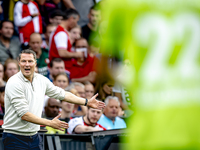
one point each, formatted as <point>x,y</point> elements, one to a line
<point>32,86</point>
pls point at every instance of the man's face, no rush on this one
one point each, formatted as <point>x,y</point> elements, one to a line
<point>56,20</point>
<point>111,110</point>
<point>12,68</point>
<point>89,91</point>
<point>1,71</point>
<point>93,115</point>
<point>52,109</point>
<point>73,21</point>
<point>94,17</point>
<point>81,91</point>
<point>7,30</point>
<point>58,67</point>
<point>27,65</point>
<point>49,30</point>
<point>35,42</point>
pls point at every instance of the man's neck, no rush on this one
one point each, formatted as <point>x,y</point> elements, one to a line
<point>64,24</point>
<point>5,41</point>
<point>65,114</point>
<point>93,28</point>
<point>30,79</point>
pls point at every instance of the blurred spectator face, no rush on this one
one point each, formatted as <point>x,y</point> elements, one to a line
<point>52,108</point>
<point>73,21</point>
<point>75,92</point>
<point>7,30</point>
<point>58,67</point>
<point>2,94</point>
<point>89,90</point>
<point>107,88</point>
<point>82,43</point>
<point>93,115</point>
<point>11,69</point>
<point>35,42</point>
<point>75,33</point>
<point>67,107</point>
<point>112,108</point>
<point>81,91</point>
<point>56,20</point>
<point>94,17</point>
<point>49,30</point>
<point>1,71</point>
<point>61,81</point>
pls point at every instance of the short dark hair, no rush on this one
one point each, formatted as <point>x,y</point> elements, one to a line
<point>56,12</point>
<point>27,51</point>
<point>1,23</point>
<point>70,12</point>
<point>95,7</point>
<point>55,60</point>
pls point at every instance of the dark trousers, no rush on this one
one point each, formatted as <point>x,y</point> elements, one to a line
<point>19,142</point>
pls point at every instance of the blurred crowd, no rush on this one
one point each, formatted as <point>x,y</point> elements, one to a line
<point>65,35</point>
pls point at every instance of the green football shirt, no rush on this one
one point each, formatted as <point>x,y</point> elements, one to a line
<point>42,62</point>
<point>161,39</point>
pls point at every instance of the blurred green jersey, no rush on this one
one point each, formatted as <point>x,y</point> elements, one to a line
<point>161,38</point>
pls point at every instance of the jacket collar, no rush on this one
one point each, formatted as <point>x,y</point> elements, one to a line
<point>22,76</point>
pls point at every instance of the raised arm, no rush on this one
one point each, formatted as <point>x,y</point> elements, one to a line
<point>68,4</point>
<point>92,102</point>
<point>61,45</point>
<point>58,93</point>
<point>90,77</point>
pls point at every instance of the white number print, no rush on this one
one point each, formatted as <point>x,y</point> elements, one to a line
<point>164,83</point>
<point>187,59</point>
<point>159,34</point>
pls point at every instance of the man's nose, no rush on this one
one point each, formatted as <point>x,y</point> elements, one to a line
<point>27,63</point>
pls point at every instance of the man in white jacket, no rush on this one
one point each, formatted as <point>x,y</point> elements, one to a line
<point>24,96</point>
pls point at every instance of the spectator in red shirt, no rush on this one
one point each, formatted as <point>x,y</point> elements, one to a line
<point>27,17</point>
<point>83,69</point>
<point>60,45</point>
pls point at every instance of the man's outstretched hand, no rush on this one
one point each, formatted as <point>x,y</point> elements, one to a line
<point>57,124</point>
<point>92,102</point>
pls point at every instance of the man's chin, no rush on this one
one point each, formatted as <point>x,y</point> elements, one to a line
<point>27,75</point>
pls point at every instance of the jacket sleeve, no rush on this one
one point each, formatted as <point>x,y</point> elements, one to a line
<point>18,20</point>
<point>54,91</point>
<point>17,98</point>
